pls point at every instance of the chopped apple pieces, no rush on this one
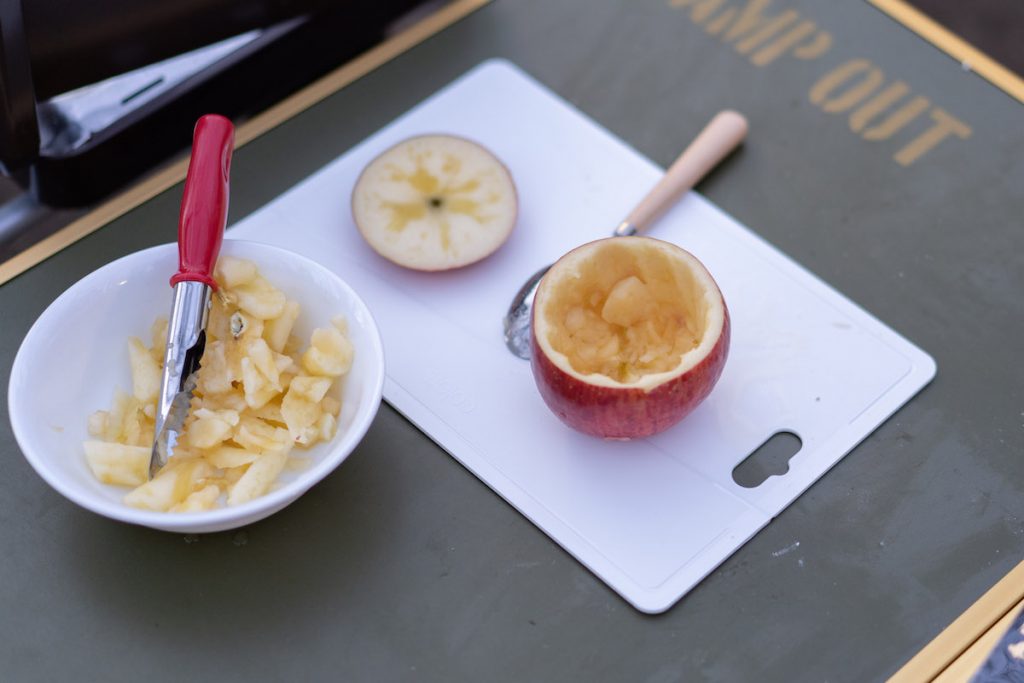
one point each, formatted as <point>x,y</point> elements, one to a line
<point>302,409</point>
<point>211,428</point>
<point>329,353</point>
<point>145,371</point>
<point>115,463</point>
<point>627,314</point>
<point>276,330</point>
<point>258,396</point>
<point>232,272</point>
<point>258,478</point>
<point>260,299</point>
<point>129,422</point>
<point>627,303</point>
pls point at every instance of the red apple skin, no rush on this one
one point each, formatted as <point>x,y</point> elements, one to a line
<point>625,413</point>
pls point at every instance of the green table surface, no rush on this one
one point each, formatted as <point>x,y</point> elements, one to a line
<point>401,565</point>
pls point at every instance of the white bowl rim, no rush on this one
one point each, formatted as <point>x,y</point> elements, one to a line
<point>252,510</point>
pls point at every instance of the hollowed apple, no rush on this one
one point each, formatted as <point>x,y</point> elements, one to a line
<point>629,335</point>
<point>435,202</point>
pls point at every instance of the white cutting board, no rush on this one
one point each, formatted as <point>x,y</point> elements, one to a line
<point>651,518</point>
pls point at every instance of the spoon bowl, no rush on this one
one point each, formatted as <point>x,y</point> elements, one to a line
<point>517,320</point>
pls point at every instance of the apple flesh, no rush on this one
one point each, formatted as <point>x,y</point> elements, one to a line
<point>629,335</point>
<point>435,202</point>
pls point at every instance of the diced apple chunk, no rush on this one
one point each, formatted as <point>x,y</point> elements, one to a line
<point>170,486</point>
<point>329,354</point>
<point>277,330</point>
<point>98,423</point>
<point>203,499</point>
<point>216,375</point>
<point>232,272</point>
<point>300,415</point>
<point>227,457</point>
<point>255,434</point>
<point>258,478</point>
<point>331,405</point>
<point>211,427</point>
<point>158,339</point>
<point>627,302</point>
<point>326,426</point>
<point>114,463</point>
<point>260,299</point>
<point>145,371</point>
<point>312,389</point>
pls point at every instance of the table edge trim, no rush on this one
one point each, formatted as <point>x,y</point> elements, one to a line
<point>939,654</point>
<point>953,45</point>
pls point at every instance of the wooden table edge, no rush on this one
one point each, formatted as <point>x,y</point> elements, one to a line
<point>953,45</point>
<point>964,667</point>
<point>977,625</point>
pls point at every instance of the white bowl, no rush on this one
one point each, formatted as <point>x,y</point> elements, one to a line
<point>76,354</point>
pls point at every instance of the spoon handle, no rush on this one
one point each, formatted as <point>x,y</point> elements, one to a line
<point>722,135</point>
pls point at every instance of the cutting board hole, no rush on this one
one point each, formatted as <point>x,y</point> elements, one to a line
<point>770,459</point>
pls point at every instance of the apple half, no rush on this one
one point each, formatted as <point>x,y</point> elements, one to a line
<point>435,202</point>
<point>629,335</point>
